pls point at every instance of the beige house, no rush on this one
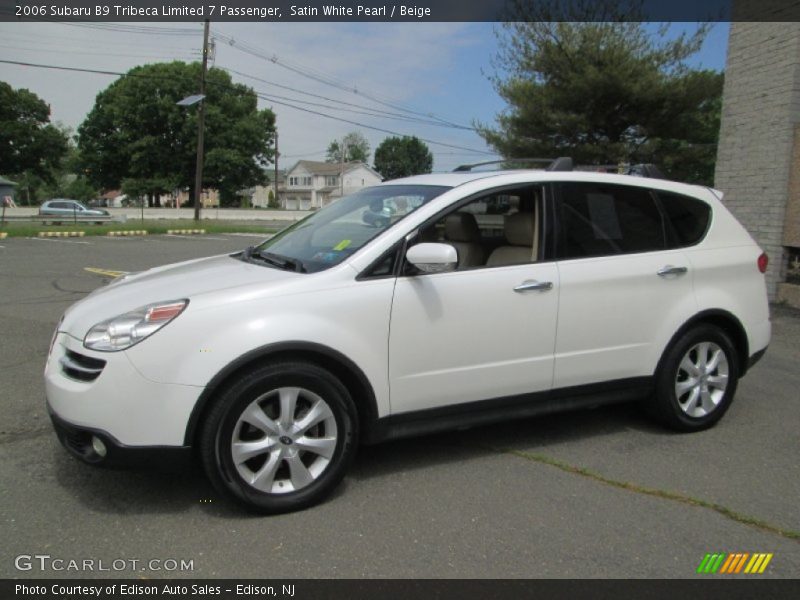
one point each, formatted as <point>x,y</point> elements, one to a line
<point>311,184</point>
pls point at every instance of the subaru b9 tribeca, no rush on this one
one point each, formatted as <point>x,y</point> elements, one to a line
<point>485,296</point>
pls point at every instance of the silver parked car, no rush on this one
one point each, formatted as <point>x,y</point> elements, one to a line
<point>65,207</point>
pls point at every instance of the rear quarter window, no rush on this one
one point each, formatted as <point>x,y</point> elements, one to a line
<point>688,218</point>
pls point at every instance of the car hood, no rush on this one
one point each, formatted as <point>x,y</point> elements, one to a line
<point>197,280</point>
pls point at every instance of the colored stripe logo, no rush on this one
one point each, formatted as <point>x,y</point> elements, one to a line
<point>734,563</point>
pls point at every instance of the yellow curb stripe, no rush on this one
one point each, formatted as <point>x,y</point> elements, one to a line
<point>184,231</point>
<point>105,272</point>
<point>3,235</point>
<point>43,234</point>
<point>127,232</point>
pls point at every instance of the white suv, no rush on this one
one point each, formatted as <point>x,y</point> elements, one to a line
<point>485,296</point>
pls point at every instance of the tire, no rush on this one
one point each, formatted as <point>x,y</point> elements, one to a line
<point>696,380</point>
<point>282,463</point>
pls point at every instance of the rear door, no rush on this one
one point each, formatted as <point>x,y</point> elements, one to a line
<point>624,292</point>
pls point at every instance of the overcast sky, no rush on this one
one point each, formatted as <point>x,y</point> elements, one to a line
<point>437,69</point>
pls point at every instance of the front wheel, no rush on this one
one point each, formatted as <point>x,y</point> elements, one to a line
<point>696,380</point>
<point>281,438</point>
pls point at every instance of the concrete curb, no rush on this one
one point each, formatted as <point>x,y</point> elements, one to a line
<point>185,231</point>
<point>43,234</point>
<point>127,233</point>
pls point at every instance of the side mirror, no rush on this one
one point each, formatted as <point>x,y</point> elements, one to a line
<point>433,258</point>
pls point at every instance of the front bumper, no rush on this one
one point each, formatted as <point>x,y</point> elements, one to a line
<point>103,391</point>
<point>81,441</point>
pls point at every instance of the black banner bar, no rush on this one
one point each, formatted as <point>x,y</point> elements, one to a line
<point>711,587</point>
<point>273,11</point>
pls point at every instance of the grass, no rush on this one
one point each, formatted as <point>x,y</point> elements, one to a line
<point>663,494</point>
<point>155,226</point>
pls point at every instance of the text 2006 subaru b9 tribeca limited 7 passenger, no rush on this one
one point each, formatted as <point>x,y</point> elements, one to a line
<point>485,296</point>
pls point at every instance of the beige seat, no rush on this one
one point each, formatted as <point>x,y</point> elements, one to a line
<point>518,229</point>
<point>461,231</point>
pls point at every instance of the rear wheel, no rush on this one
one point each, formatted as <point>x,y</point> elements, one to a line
<point>281,438</point>
<point>696,380</point>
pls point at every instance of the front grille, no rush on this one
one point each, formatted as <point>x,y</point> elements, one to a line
<point>78,441</point>
<point>80,367</point>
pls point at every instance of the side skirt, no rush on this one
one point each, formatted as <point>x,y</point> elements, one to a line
<point>495,410</point>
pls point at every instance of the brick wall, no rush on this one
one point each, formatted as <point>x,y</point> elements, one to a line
<point>760,110</point>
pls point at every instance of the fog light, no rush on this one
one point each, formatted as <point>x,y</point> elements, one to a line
<point>99,447</point>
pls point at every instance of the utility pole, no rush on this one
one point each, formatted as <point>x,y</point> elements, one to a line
<point>341,167</point>
<point>201,118</point>
<point>277,154</point>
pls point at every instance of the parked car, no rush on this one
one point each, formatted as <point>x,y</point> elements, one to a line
<point>275,363</point>
<point>70,208</point>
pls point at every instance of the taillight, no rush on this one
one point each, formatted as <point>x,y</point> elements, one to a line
<point>763,262</point>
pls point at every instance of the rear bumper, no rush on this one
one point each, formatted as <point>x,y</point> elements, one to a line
<point>78,441</point>
<point>755,358</point>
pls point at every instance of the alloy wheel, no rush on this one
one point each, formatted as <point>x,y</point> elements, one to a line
<point>284,440</point>
<point>702,379</point>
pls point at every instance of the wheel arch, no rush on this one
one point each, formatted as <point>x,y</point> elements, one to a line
<point>351,376</point>
<point>726,321</point>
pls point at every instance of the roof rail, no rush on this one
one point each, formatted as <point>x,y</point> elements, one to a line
<point>644,170</point>
<point>637,170</point>
<point>546,163</point>
<point>565,163</point>
<point>562,163</point>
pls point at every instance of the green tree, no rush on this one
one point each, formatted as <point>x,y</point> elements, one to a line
<point>29,143</point>
<point>402,157</point>
<point>136,133</point>
<point>356,148</point>
<point>604,91</point>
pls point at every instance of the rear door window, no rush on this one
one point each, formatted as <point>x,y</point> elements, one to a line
<point>602,220</point>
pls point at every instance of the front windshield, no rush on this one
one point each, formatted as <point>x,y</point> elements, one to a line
<point>333,233</point>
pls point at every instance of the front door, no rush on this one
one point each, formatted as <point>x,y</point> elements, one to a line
<point>486,330</point>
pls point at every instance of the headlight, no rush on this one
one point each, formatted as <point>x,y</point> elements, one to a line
<point>124,331</point>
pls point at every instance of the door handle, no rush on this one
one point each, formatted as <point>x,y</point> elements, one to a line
<point>531,285</point>
<point>670,270</point>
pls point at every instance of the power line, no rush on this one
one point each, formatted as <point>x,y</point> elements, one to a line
<point>118,54</point>
<point>376,111</point>
<point>51,39</point>
<point>321,78</point>
<point>426,119</point>
<point>137,29</point>
<point>368,112</point>
<point>258,94</point>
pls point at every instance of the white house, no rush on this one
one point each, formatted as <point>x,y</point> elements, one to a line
<point>312,184</point>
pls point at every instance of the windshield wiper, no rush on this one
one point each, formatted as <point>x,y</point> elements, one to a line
<point>276,260</point>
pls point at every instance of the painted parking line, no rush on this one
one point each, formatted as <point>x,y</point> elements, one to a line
<point>59,241</point>
<point>105,272</point>
<point>195,237</point>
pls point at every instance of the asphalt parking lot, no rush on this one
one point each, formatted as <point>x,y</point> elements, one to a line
<point>599,493</point>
